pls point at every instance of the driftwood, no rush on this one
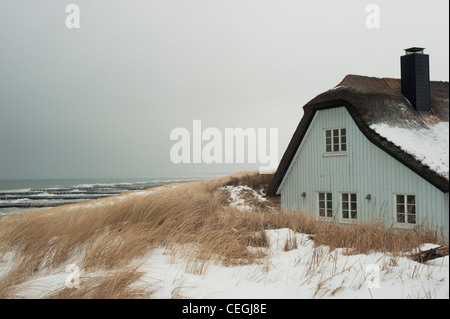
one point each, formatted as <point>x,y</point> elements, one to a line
<point>430,254</point>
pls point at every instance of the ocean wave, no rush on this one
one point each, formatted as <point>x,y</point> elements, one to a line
<point>78,192</point>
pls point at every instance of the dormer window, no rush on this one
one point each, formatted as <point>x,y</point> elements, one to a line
<point>335,141</point>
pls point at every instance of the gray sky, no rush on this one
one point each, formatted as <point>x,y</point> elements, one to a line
<point>101,100</point>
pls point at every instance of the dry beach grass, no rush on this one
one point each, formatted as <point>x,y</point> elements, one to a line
<point>106,235</point>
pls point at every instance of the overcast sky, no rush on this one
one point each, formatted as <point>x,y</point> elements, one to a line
<point>102,100</point>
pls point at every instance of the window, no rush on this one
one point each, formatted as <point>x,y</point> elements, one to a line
<point>405,208</point>
<point>349,206</point>
<point>335,141</point>
<point>325,205</point>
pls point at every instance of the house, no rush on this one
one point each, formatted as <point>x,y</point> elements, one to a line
<point>373,148</point>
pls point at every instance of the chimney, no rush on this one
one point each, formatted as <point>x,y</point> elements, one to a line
<point>415,72</point>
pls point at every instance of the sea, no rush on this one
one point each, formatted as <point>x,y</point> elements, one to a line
<point>26,195</point>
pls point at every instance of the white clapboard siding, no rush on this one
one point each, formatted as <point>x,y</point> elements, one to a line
<point>365,169</point>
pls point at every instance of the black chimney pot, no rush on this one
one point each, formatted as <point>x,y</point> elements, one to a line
<point>415,72</point>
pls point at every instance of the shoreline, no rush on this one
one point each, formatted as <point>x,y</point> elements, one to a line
<point>36,196</point>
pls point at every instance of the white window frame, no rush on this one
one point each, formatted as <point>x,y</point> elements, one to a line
<point>349,219</point>
<point>326,204</point>
<point>405,224</point>
<point>324,141</point>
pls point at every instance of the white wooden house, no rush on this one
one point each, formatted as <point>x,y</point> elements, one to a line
<point>373,148</point>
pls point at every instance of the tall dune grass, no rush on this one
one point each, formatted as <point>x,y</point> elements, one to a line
<point>107,235</point>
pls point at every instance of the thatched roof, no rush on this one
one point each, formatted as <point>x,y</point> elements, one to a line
<point>372,101</point>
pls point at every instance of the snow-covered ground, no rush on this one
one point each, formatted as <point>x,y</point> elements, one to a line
<point>429,145</point>
<point>237,197</point>
<point>293,268</point>
<point>302,272</point>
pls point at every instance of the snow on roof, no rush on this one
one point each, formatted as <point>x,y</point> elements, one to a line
<point>385,117</point>
<point>428,145</point>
